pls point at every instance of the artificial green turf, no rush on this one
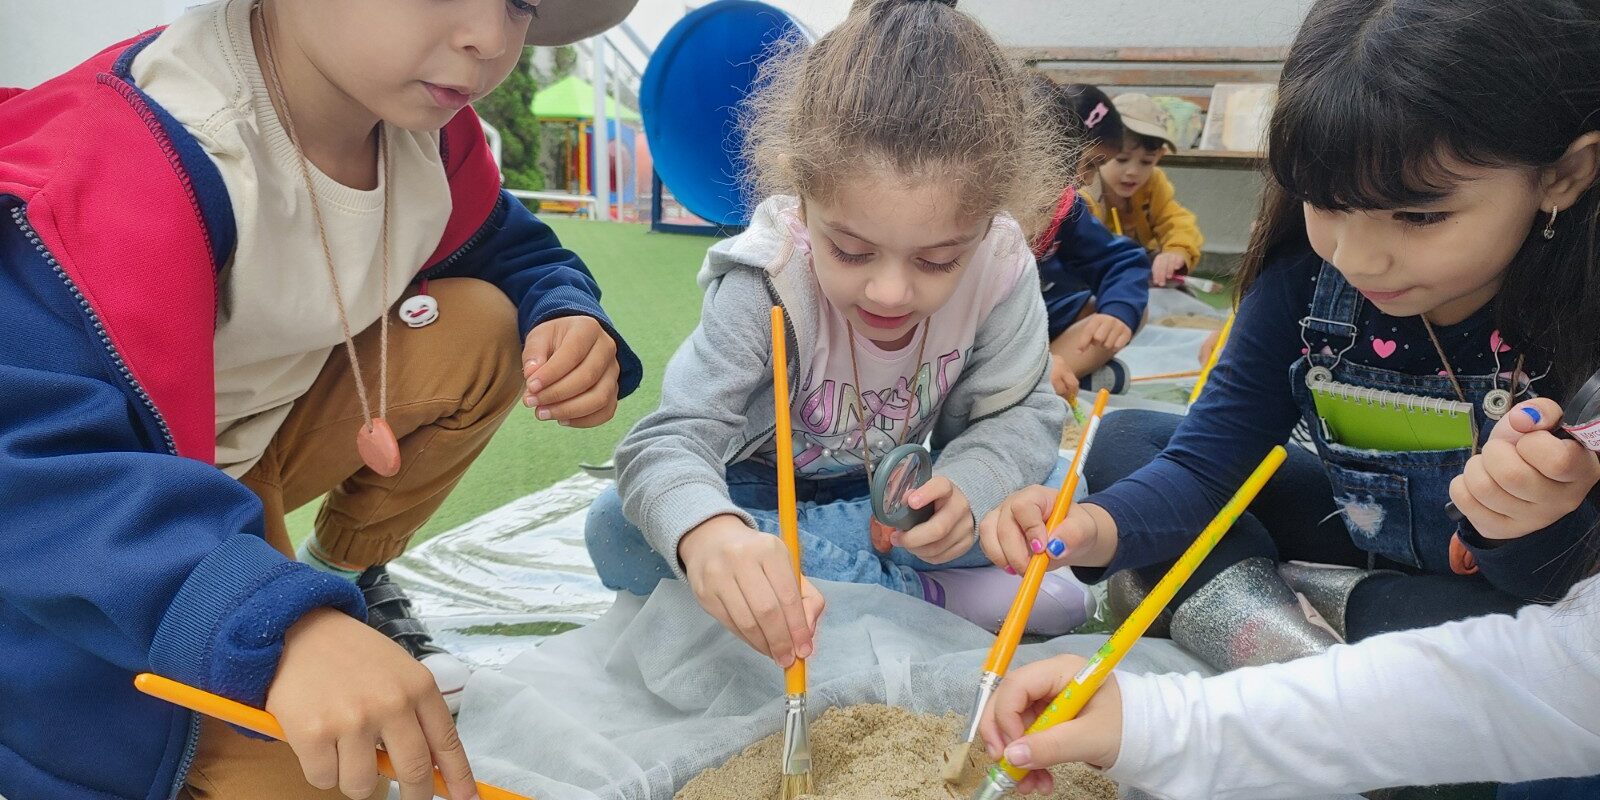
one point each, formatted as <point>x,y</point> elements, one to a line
<point>647,281</point>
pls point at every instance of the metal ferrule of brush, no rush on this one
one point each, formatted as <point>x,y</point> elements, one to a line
<point>996,785</point>
<point>797,743</point>
<point>986,686</point>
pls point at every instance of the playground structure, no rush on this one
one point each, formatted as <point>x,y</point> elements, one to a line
<point>568,106</point>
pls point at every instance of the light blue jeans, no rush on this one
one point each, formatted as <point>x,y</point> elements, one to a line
<point>834,541</point>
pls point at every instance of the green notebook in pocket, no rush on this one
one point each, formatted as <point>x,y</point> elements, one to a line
<point>1380,419</point>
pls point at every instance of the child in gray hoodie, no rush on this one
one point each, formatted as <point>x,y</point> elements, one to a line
<point>898,155</point>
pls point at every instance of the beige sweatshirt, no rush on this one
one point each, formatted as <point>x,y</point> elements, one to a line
<point>277,322</point>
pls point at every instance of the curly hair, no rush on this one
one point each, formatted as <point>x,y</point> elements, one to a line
<point>912,86</point>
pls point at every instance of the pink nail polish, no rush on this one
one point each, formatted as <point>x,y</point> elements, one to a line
<point>1036,546</point>
<point>1010,571</point>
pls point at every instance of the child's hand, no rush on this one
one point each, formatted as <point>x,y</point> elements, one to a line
<point>1166,265</point>
<point>1063,379</point>
<point>571,368</point>
<point>341,688</point>
<point>1106,331</point>
<point>1012,533</point>
<point>947,535</point>
<point>744,579</point>
<point>1094,737</point>
<point>1525,479</point>
<point>1207,346</point>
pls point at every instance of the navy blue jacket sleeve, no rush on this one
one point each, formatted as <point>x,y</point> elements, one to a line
<point>1541,566</point>
<point>523,257</point>
<point>1246,408</point>
<point>145,559</point>
<point>1115,267</point>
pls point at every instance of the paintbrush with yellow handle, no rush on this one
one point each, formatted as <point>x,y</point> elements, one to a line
<point>957,757</point>
<point>236,713</point>
<point>1005,777</point>
<point>796,739</point>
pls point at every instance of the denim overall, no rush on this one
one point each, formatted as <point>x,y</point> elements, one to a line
<point>1392,502</point>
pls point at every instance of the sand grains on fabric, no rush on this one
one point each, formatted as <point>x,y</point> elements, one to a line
<point>875,752</point>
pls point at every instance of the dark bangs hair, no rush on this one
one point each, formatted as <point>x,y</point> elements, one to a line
<point>1150,144</point>
<point>1380,98</point>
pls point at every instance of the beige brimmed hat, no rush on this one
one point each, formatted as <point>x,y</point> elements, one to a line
<point>1143,116</point>
<point>566,21</point>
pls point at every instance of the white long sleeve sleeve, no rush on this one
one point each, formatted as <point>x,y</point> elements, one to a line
<point>1489,699</point>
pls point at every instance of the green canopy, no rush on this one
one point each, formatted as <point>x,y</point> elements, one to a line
<point>573,98</point>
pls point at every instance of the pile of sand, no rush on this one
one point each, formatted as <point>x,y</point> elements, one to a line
<point>1071,432</point>
<point>875,752</point>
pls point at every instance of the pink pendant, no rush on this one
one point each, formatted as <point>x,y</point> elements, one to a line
<point>378,448</point>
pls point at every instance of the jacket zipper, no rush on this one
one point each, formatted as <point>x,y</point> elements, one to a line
<point>192,743</point>
<point>27,229</point>
<point>473,241</point>
<point>745,450</point>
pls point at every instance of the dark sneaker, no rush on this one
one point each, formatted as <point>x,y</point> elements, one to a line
<point>1112,377</point>
<point>389,610</point>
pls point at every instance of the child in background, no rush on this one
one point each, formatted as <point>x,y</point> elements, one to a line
<point>891,237</point>
<point>189,292</point>
<point>1442,250</point>
<point>1095,284</point>
<point>1134,197</point>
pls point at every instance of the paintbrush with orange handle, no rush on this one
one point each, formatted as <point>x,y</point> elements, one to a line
<point>957,756</point>
<point>796,738</point>
<point>236,713</point>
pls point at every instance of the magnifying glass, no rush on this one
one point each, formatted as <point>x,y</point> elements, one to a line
<point>899,474</point>
<point>1580,422</point>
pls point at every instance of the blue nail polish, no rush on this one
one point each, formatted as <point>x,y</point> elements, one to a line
<point>1057,548</point>
<point>1533,414</point>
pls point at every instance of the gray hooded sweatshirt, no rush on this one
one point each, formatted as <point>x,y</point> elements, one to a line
<point>999,426</point>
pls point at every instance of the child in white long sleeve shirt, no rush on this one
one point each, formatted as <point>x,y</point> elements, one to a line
<point>1493,698</point>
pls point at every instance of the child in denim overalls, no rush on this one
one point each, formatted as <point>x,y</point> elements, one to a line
<point>1434,235</point>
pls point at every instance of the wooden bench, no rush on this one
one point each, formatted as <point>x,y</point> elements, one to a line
<point>1184,72</point>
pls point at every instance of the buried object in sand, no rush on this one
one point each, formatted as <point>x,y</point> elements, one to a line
<point>876,752</point>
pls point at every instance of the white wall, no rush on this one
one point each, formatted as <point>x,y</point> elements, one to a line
<point>40,38</point>
<point>1141,23</point>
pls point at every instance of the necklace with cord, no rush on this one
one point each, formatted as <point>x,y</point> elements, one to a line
<point>375,440</point>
